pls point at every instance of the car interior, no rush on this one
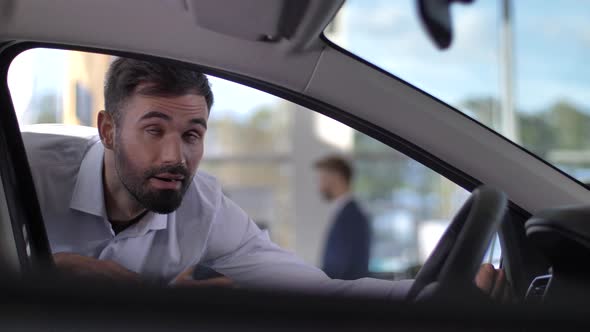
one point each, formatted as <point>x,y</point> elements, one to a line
<point>294,93</point>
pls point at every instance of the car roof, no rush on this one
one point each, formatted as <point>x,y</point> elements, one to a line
<point>301,64</point>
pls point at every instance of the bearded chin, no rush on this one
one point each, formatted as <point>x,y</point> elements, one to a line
<point>159,201</point>
<point>137,184</point>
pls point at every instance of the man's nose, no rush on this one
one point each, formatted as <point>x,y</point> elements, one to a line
<point>172,151</point>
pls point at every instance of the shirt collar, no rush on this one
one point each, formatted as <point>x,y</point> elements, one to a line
<point>151,221</point>
<point>88,194</point>
<point>339,203</point>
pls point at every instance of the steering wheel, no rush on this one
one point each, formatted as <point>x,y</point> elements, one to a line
<point>455,260</point>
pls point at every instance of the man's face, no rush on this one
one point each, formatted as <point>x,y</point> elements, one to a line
<point>158,147</point>
<point>327,180</point>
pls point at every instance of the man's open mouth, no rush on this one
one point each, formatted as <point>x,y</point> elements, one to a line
<point>166,179</point>
<point>169,177</point>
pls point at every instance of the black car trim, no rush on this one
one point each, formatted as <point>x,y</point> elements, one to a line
<point>25,213</point>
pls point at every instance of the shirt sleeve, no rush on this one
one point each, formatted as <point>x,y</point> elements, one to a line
<point>238,249</point>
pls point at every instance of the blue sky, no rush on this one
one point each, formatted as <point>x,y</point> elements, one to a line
<point>551,48</point>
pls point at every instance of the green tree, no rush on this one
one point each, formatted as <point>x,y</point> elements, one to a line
<point>562,126</point>
<point>571,126</point>
<point>263,130</point>
<point>483,109</point>
<point>536,133</point>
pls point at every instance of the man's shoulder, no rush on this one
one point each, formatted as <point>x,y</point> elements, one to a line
<point>204,179</point>
<point>55,153</point>
<point>353,204</point>
<point>354,211</point>
<point>203,201</point>
<point>56,143</point>
<point>205,188</point>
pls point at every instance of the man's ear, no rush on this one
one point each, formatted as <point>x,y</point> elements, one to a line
<point>106,129</point>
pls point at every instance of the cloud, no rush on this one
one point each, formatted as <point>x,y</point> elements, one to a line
<point>554,22</point>
<point>236,99</point>
<point>476,34</point>
<point>537,94</point>
<point>382,19</point>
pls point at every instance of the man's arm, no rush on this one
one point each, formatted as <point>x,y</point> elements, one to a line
<point>188,279</point>
<point>238,249</point>
<point>83,268</point>
<point>87,268</point>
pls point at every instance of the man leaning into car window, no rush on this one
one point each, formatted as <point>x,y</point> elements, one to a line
<point>131,205</point>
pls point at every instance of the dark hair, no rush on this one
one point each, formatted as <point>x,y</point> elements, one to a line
<point>336,164</point>
<point>125,74</point>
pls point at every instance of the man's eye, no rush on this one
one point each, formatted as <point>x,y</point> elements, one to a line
<point>154,131</point>
<point>192,137</point>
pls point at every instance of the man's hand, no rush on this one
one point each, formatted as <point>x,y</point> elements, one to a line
<point>185,279</point>
<point>493,283</point>
<point>82,267</point>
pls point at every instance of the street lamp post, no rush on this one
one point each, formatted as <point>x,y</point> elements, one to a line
<point>507,115</point>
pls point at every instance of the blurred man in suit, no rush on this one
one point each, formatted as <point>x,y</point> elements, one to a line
<point>346,253</point>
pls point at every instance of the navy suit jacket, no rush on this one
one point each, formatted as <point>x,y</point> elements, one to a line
<point>346,254</point>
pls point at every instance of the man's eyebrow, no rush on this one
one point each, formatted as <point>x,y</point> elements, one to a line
<point>155,114</point>
<point>200,121</point>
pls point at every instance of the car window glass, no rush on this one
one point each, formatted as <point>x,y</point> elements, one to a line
<point>263,150</point>
<point>518,67</point>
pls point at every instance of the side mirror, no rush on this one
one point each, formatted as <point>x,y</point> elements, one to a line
<point>436,18</point>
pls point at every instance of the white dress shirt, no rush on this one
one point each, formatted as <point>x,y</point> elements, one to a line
<point>207,228</point>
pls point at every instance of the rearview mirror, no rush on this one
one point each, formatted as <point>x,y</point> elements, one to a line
<point>436,18</point>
